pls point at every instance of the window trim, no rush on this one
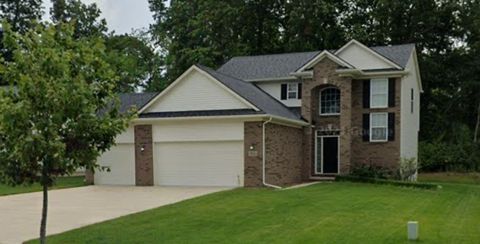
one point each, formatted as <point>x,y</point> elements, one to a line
<point>386,93</point>
<point>376,127</point>
<point>320,102</point>
<point>295,84</point>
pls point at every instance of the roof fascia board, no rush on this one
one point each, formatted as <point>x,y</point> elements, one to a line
<point>179,79</point>
<point>320,57</point>
<point>286,78</point>
<point>353,41</point>
<point>362,74</point>
<point>245,117</point>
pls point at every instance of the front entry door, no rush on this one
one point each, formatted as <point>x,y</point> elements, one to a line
<point>327,155</point>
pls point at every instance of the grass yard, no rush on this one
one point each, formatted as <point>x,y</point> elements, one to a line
<point>63,182</point>
<point>339,212</point>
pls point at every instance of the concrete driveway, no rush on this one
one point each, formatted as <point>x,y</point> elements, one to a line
<point>76,207</point>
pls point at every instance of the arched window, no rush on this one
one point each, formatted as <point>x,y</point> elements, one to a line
<point>330,101</point>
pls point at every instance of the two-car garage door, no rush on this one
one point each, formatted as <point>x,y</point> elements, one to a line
<point>198,153</point>
<point>186,153</point>
<point>207,163</point>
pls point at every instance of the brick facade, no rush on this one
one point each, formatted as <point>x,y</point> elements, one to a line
<point>324,75</point>
<point>353,150</point>
<point>284,154</point>
<point>385,154</point>
<point>143,155</point>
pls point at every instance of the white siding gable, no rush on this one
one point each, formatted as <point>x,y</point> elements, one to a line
<point>196,91</point>
<point>361,58</point>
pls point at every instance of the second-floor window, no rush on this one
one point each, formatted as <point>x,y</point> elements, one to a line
<point>330,101</point>
<point>292,90</point>
<point>379,93</point>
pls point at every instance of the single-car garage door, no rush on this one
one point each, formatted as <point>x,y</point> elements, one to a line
<point>120,160</point>
<point>199,163</point>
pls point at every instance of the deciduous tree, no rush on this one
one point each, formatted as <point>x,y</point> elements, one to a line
<point>60,111</point>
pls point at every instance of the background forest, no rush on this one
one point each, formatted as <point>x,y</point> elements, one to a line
<point>185,32</point>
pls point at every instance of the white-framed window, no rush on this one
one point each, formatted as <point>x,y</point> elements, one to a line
<point>378,127</point>
<point>292,90</point>
<point>329,101</point>
<point>379,93</point>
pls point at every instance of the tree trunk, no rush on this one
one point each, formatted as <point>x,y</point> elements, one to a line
<point>477,125</point>
<point>43,224</point>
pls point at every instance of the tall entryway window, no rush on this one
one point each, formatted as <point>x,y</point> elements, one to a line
<point>327,147</point>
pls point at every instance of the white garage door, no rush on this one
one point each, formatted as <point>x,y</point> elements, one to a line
<point>121,161</point>
<point>204,163</point>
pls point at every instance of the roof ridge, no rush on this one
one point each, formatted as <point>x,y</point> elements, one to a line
<point>395,45</point>
<point>273,54</point>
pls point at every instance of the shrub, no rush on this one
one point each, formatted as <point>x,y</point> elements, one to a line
<point>371,171</point>
<point>428,186</point>
<point>444,156</point>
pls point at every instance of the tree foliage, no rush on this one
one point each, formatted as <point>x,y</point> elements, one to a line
<point>20,13</point>
<point>134,61</point>
<point>59,113</point>
<point>86,17</point>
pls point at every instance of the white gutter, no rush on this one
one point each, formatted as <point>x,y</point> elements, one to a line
<point>356,72</point>
<point>264,156</point>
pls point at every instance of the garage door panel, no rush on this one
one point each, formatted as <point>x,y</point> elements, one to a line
<point>121,161</point>
<point>206,163</point>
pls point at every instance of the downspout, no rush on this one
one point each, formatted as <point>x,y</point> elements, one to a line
<point>264,155</point>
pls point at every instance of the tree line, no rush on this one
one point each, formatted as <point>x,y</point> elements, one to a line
<point>185,32</point>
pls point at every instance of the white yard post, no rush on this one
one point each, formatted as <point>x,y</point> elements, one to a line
<point>412,227</point>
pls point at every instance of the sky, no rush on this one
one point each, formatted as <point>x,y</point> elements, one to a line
<point>122,15</point>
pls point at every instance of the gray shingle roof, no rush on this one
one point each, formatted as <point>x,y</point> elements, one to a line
<point>281,65</point>
<point>253,94</point>
<point>138,100</point>
<point>399,54</point>
<point>266,66</point>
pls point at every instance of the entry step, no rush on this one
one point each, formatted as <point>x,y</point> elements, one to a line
<point>322,178</point>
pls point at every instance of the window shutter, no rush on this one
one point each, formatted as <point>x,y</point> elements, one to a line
<point>391,126</point>
<point>283,94</point>
<point>391,92</point>
<point>366,93</point>
<point>299,91</point>
<point>366,127</point>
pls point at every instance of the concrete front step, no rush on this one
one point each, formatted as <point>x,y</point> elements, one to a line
<point>322,178</point>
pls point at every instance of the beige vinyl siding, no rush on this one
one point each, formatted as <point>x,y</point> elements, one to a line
<point>362,59</point>
<point>410,122</point>
<point>273,88</point>
<point>196,92</point>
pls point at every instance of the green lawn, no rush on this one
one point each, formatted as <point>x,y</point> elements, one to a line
<point>339,212</point>
<point>450,177</point>
<point>63,182</point>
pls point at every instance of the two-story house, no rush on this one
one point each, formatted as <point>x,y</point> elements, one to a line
<point>273,120</point>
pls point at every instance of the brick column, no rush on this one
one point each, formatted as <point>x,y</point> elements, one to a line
<point>143,155</point>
